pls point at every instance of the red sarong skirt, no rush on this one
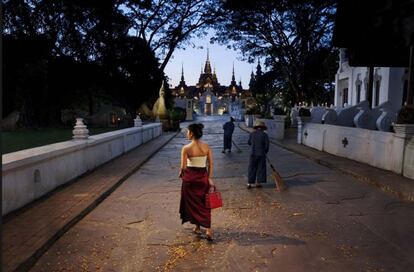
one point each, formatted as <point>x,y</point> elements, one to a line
<point>194,188</point>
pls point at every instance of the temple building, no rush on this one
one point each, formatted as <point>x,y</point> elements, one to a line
<point>210,95</point>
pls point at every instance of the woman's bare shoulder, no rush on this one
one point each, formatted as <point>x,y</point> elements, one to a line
<point>204,145</point>
<point>185,147</point>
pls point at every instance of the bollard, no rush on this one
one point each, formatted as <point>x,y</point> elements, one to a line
<point>80,131</point>
<point>137,122</point>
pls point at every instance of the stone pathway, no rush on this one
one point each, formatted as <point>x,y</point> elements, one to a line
<point>28,233</point>
<point>325,221</point>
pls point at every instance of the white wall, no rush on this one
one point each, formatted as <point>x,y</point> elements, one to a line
<point>384,150</point>
<point>408,170</point>
<point>31,173</point>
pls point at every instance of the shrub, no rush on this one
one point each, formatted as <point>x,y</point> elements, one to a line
<point>279,111</point>
<point>253,110</point>
<point>288,122</point>
<point>267,116</point>
<point>177,114</point>
<point>406,115</point>
<point>304,112</point>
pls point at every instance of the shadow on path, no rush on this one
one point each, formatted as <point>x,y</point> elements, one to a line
<point>249,238</point>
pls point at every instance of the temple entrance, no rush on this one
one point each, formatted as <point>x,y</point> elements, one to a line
<point>208,109</point>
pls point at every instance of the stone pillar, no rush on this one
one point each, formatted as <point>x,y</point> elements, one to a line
<point>189,110</point>
<point>137,122</point>
<point>405,134</point>
<point>299,139</point>
<point>280,126</point>
<point>80,131</point>
<point>302,120</point>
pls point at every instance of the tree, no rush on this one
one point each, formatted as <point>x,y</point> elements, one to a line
<point>25,78</point>
<point>289,34</point>
<point>90,57</point>
<point>134,74</point>
<point>265,87</point>
<point>166,25</point>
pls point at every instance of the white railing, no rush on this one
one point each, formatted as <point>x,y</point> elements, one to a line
<point>31,173</point>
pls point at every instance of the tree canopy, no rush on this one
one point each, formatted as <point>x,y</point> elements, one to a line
<point>116,50</point>
<point>293,36</point>
<point>107,49</point>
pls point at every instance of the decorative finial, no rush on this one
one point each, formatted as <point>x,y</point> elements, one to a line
<point>233,79</point>
<point>208,55</point>
<point>182,71</point>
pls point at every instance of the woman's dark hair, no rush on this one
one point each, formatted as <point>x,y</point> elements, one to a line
<point>196,130</point>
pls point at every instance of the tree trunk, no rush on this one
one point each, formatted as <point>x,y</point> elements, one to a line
<point>90,102</point>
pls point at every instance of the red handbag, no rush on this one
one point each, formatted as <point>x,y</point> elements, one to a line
<point>213,199</point>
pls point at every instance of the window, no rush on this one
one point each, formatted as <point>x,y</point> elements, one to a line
<point>345,96</point>
<point>358,93</point>
<point>208,99</point>
<point>377,92</point>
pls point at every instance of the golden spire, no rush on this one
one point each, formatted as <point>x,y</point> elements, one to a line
<point>207,67</point>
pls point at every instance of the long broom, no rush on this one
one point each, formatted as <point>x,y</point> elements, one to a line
<point>280,184</point>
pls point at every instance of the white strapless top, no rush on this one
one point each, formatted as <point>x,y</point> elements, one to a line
<point>197,161</point>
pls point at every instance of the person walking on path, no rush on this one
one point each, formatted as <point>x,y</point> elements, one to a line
<point>259,141</point>
<point>228,134</point>
<point>196,181</point>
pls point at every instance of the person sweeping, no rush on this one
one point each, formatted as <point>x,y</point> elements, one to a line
<point>259,142</point>
<point>228,128</point>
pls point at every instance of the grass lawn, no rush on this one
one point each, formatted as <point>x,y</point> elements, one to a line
<point>24,139</point>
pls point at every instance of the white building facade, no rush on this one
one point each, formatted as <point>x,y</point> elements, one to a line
<point>351,85</point>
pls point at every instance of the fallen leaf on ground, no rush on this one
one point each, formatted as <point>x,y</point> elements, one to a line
<point>297,213</point>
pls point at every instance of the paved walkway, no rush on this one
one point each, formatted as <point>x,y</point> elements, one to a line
<point>325,221</point>
<point>30,232</point>
<point>387,181</point>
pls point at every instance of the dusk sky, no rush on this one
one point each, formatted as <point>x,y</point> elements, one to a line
<point>220,57</point>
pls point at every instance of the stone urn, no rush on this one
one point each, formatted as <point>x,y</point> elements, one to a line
<point>80,131</point>
<point>404,130</point>
<point>137,121</point>
<point>248,118</point>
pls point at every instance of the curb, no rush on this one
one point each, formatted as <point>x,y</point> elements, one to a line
<point>31,261</point>
<point>383,187</point>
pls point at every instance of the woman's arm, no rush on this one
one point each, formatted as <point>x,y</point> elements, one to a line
<point>210,167</point>
<point>183,160</point>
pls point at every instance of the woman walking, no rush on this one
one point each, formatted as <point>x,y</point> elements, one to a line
<point>196,174</point>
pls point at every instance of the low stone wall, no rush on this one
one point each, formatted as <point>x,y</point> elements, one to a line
<point>384,150</point>
<point>275,127</point>
<point>31,173</point>
<point>408,169</point>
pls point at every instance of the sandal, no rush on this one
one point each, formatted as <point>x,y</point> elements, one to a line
<point>197,231</point>
<point>209,237</point>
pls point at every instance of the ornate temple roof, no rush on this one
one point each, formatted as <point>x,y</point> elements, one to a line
<point>207,82</point>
